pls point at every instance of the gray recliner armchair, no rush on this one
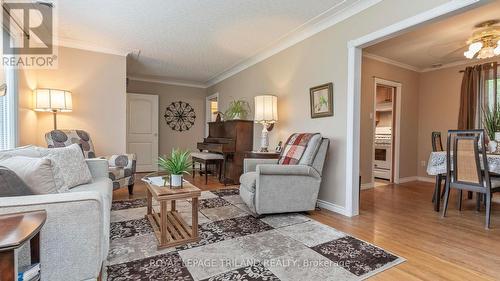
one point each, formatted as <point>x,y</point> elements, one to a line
<point>268,187</point>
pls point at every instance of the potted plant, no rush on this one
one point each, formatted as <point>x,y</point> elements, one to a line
<point>491,123</point>
<point>176,165</point>
<point>238,109</point>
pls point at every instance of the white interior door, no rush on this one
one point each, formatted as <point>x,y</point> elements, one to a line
<point>142,130</point>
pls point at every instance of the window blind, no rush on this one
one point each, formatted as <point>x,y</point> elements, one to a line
<point>8,110</point>
<point>4,122</point>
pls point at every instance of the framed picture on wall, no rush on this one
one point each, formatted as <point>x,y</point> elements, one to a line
<point>321,100</point>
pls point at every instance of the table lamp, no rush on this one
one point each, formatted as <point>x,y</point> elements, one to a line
<point>266,113</point>
<point>52,100</point>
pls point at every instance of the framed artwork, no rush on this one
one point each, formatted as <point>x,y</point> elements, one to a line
<point>322,100</point>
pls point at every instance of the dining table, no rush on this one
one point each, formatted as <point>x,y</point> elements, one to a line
<point>437,165</point>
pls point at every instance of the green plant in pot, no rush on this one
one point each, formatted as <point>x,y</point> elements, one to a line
<point>178,164</point>
<point>238,109</point>
<point>491,123</point>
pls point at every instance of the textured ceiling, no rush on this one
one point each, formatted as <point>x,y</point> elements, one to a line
<point>441,42</point>
<point>190,40</point>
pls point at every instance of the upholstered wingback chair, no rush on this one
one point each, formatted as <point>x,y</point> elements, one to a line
<point>121,168</point>
<point>268,187</point>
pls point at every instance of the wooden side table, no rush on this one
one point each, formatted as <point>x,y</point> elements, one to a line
<point>169,227</point>
<point>16,230</point>
<point>261,155</point>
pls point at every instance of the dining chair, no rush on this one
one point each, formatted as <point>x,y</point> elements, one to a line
<point>464,160</point>
<point>437,145</point>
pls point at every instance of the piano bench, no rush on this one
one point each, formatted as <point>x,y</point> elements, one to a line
<point>208,158</point>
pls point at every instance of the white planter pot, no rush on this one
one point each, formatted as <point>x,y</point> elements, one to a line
<point>492,146</point>
<point>176,180</point>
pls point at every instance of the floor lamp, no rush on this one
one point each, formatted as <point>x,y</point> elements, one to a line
<point>52,100</point>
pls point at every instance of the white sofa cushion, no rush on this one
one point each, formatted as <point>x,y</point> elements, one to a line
<point>70,166</point>
<point>28,151</point>
<point>37,173</point>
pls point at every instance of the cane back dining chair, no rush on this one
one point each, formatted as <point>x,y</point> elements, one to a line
<point>465,155</point>
<point>437,145</point>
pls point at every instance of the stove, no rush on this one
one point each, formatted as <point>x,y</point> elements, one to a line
<point>383,136</point>
<point>382,165</point>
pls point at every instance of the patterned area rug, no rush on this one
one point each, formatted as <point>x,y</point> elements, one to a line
<point>236,246</point>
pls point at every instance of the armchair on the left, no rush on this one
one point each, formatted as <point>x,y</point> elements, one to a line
<point>121,167</point>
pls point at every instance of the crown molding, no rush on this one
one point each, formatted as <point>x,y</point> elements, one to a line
<point>75,44</point>
<point>166,81</point>
<point>308,29</point>
<point>417,69</point>
<point>391,62</point>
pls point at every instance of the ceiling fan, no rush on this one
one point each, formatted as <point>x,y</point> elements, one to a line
<point>485,41</point>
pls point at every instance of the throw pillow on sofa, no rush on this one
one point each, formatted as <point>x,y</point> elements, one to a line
<point>37,173</point>
<point>11,184</point>
<point>70,166</point>
<point>28,151</point>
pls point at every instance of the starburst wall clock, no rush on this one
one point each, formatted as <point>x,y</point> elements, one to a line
<point>180,116</point>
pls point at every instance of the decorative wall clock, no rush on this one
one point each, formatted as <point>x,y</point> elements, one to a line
<point>180,116</point>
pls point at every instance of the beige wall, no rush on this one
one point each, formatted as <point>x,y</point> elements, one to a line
<point>169,138</point>
<point>438,104</point>
<point>319,59</point>
<point>97,82</point>
<point>409,115</point>
<point>28,119</point>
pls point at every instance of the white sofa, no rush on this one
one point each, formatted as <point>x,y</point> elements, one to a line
<point>75,237</point>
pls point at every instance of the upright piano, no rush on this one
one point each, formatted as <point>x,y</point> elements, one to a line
<point>232,138</point>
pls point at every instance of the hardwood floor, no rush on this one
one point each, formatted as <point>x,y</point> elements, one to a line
<point>400,219</point>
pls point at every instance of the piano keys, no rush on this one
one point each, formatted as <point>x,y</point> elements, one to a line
<point>232,138</point>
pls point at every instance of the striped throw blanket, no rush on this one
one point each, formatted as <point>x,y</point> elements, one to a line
<point>294,148</point>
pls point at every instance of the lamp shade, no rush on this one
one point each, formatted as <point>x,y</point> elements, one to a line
<point>266,108</point>
<point>52,100</point>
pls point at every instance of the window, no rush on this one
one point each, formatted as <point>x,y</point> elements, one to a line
<point>8,109</point>
<point>492,92</point>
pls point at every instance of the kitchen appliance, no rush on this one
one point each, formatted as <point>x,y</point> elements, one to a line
<point>382,164</point>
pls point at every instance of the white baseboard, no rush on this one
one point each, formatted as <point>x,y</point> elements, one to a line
<point>427,179</point>
<point>416,178</point>
<point>408,179</point>
<point>333,207</point>
<point>367,185</point>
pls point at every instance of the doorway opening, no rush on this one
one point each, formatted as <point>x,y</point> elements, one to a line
<point>211,109</point>
<point>386,122</point>
<point>355,50</point>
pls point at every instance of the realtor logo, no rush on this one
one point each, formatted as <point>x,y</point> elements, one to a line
<point>28,37</point>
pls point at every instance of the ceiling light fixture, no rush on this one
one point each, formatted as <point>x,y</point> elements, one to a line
<point>485,42</point>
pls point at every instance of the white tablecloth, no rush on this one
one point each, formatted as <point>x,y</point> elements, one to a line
<point>437,163</point>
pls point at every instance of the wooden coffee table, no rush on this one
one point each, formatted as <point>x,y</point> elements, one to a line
<point>169,227</point>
